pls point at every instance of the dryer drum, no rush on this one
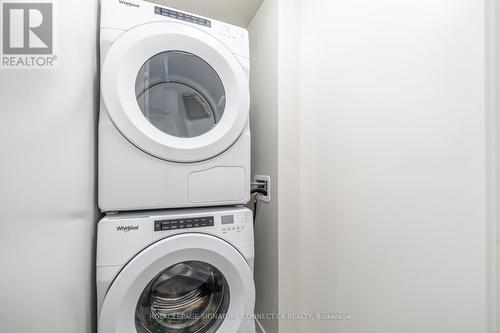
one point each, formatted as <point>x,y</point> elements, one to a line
<point>180,94</point>
<point>190,297</point>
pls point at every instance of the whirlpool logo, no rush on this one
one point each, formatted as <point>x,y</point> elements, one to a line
<point>128,3</point>
<point>127,228</point>
<point>28,35</point>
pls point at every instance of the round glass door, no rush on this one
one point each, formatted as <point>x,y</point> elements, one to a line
<point>180,94</point>
<point>175,92</point>
<point>185,283</point>
<point>189,297</point>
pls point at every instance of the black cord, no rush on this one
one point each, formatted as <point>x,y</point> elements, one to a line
<point>255,192</point>
<point>254,210</point>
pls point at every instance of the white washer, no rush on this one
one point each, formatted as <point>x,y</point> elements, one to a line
<point>173,127</point>
<point>176,271</point>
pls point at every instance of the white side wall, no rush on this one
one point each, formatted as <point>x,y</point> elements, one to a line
<point>47,184</point>
<point>289,163</point>
<point>264,125</point>
<point>393,172</point>
<point>495,36</point>
<point>492,147</point>
<point>275,128</point>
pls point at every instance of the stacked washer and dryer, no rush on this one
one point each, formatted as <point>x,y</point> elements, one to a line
<point>175,249</point>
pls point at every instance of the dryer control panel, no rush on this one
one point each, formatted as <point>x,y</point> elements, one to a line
<point>183,16</point>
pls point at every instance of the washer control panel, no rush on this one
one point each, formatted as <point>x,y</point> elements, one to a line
<point>182,16</point>
<point>235,223</point>
<point>189,223</point>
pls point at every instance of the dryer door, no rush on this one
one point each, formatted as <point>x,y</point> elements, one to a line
<point>175,91</point>
<point>185,283</point>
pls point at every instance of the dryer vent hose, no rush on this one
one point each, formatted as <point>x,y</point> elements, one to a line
<point>256,192</point>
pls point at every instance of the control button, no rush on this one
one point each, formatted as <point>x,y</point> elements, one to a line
<point>181,16</point>
<point>206,221</point>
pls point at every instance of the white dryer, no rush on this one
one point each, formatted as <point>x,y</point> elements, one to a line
<point>173,126</point>
<point>176,271</point>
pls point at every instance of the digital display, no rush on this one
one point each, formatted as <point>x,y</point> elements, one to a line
<point>228,219</point>
<point>182,16</point>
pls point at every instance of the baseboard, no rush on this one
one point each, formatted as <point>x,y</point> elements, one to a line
<point>259,328</point>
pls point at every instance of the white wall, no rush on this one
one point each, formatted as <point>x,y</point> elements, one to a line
<point>275,126</point>
<point>393,165</point>
<point>288,163</point>
<point>494,9</point>
<point>47,184</point>
<point>492,166</point>
<point>263,32</point>
<point>493,144</point>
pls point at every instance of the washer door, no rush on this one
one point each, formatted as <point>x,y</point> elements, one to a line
<point>187,283</point>
<point>175,91</point>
